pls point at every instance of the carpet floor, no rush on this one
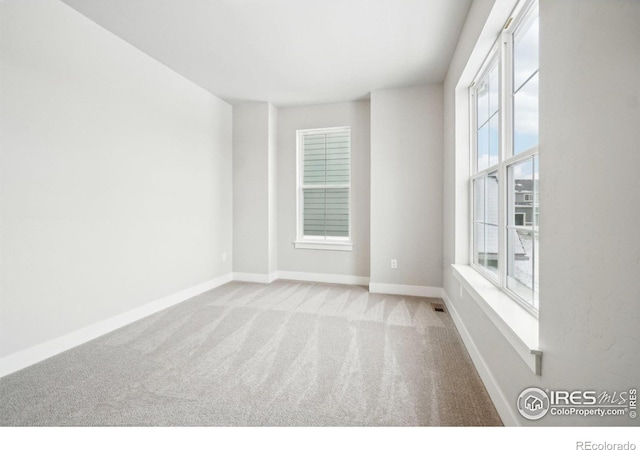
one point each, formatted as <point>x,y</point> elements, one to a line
<point>244,354</point>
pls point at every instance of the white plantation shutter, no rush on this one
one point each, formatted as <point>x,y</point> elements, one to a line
<point>326,212</point>
<point>325,183</point>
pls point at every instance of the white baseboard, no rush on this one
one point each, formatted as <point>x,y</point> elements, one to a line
<point>253,277</point>
<point>505,408</point>
<point>404,289</point>
<point>323,278</point>
<point>24,358</point>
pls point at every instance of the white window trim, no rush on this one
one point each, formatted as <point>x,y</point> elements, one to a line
<point>319,243</point>
<point>504,39</point>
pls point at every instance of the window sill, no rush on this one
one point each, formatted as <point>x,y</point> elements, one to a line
<point>518,327</point>
<point>340,246</point>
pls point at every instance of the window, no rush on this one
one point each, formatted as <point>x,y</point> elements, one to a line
<point>505,173</point>
<point>324,189</point>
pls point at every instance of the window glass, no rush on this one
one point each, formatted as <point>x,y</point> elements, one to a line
<point>482,93</point>
<point>522,236</point>
<point>483,147</point>
<point>525,116</point>
<point>494,140</point>
<point>525,84</point>
<point>478,196</point>
<point>478,244</point>
<point>525,50</point>
<point>486,234</point>
<point>324,187</point>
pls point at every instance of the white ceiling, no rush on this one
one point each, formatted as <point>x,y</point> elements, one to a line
<point>290,51</point>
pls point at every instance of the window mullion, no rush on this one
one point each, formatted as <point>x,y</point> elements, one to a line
<point>527,154</point>
<point>472,170</point>
<point>485,172</point>
<point>300,190</point>
<point>325,190</point>
<point>506,90</point>
<point>505,148</point>
<point>534,234</point>
<point>326,186</point>
<point>473,166</point>
<point>502,222</point>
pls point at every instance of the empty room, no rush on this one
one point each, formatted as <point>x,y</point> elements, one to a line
<point>339,213</point>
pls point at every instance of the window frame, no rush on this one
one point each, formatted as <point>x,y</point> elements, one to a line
<point>320,242</point>
<point>502,51</point>
<point>524,218</point>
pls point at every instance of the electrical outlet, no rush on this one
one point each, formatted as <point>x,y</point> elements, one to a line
<point>224,257</point>
<point>394,263</point>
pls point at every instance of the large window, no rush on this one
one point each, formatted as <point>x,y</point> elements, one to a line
<point>505,175</point>
<point>324,188</point>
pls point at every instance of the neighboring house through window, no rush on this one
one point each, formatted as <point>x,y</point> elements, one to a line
<point>324,189</point>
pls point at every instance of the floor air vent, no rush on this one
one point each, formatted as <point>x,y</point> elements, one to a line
<point>438,307</point>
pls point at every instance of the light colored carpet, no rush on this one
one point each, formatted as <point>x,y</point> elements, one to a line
<point>287,354</point>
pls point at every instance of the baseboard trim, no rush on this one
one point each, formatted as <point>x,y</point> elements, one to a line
<point>405,289</point>
<point>32,355</point>
<point>505,408</point>
<point>323,278</point>
<point>253,277</point>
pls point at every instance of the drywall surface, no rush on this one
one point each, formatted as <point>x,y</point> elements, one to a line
<point>589,160</point>
<point>356,115</point>
<point>406,186</point>
<point>589,245</point>
<point>273,188</point>
<point>254,188</point>
<point>115,176</point>
<point>250,188</point>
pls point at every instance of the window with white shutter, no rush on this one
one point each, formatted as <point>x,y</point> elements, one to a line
<point>324,188</point>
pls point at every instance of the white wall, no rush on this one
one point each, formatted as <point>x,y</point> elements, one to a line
<point>250,188</point>
<point>115,176</point>
<point>589,245</point>
<point>273,189</point>
<point>590,193</point>
<point>406,186</point>
<point>356,262</point>
<point>254,190</point>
